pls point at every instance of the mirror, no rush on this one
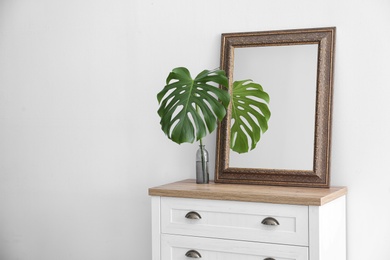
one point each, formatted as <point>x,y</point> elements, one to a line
<point>295,68</point>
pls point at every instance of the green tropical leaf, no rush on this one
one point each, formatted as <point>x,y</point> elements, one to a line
<point>250,115</point>
<point>190,108</point>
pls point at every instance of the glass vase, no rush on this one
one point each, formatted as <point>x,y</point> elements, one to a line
<point>202,165</point>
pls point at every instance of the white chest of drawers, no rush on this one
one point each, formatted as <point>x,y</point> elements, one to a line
<point>245,222</point>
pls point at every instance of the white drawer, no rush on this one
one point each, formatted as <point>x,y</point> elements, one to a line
<point>176,247</point>
<point>235,220</point>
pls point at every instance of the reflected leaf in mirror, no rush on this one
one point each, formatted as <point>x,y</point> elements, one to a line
<point>250,115</point>
<point>190,108</point>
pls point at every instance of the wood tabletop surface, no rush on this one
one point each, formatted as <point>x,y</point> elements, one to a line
<point>251,193</point>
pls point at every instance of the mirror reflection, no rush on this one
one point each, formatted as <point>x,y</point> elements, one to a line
<point>289,75</point>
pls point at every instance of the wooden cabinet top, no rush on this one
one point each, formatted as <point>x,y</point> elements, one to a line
<point>251,193</point>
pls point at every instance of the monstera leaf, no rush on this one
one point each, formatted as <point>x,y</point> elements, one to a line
<point>250,115</point>
<point>189,106</point>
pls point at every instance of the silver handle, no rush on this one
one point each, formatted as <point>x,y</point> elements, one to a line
<point>193,254</point>
<point>193,215</point>
<point>269,258</point>
<point>270,221</point>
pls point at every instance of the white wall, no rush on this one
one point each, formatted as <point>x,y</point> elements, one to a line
<point>80,140</point>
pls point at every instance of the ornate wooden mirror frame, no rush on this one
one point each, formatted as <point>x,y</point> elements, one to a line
<point>319,175</point>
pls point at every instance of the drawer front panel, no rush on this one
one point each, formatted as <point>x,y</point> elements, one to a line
<point>177,247</point>
<point>235,220</point>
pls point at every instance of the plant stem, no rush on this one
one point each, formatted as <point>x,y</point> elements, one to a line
<point>201,150</point>
<point>203,159</point>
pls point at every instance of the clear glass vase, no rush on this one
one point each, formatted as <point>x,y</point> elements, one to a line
<point>202,165</point>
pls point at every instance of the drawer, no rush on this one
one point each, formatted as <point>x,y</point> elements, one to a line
<point>235,220</point>
<point>175,247</point>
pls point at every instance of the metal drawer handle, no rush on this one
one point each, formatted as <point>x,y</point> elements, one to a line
<point>193,254</point>
<point>193,215</point>
<point>269,258</point>
<point>270,221</point>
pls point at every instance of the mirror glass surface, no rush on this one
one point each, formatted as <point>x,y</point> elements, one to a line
<point>289,75</point>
